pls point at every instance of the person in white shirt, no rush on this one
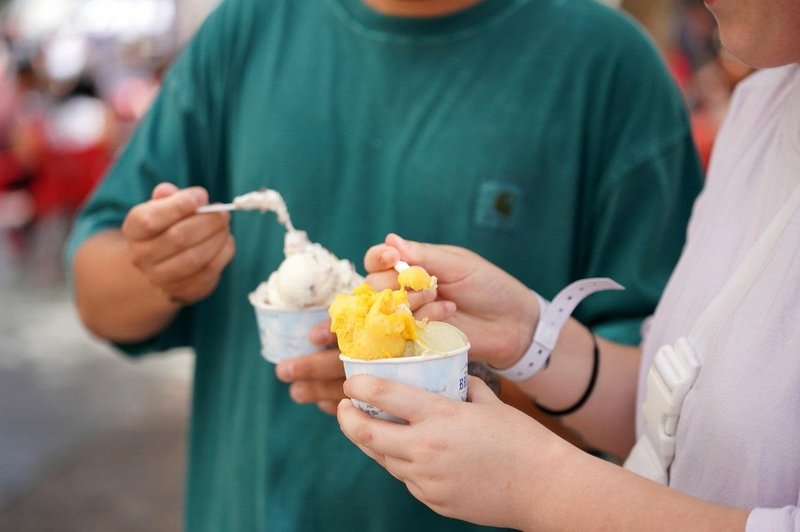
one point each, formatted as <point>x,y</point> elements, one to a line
<point>707,410</point>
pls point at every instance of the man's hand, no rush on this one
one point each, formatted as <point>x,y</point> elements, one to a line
<point>180,252</point>
<point>318,377</point>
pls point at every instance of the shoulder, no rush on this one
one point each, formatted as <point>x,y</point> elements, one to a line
<point>762,99</point>
<point>591,23</point>
<point>760,103</point>
<point>765,84</point>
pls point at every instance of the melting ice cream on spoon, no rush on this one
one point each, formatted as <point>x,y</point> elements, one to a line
<point>310,275</point>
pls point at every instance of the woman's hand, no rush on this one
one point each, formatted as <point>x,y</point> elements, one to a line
<point>497,312</point>
<point>463,460</point>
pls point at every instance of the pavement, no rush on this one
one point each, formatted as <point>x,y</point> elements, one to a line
<point>89,440</point>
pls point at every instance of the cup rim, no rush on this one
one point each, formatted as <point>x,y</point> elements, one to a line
<point>409,359</point>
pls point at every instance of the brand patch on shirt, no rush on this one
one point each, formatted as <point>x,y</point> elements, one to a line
<point>498,205</point>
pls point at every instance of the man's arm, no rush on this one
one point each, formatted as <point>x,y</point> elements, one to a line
<point>489,464</point>
<point>130,283</point>
<point>114,299</point>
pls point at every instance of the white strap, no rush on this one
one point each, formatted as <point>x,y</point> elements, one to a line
<point>749,270</point>
<point>552,317</point>
<point>645,461</point>
<point>675,369</point>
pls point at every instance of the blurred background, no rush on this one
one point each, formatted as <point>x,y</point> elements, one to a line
<point>90,441</point>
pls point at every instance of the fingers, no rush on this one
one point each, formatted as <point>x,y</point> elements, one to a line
<point>200,284</point>
<point>188,262</point>
<point>479,393</point>
<point>163,190</point>
<point>183,235</point>
<point>376,437</point>
<point>322,365</point>
<point>178,251</point>
<point>321,334</point>
<point>435,311</point>
<point>315,378</point>
<point>401,400</point>
<point>382,280</point>
<point>319,391</point>
<point>153,217</point>
<point>381,257</point>
<point>446,262</point>
<point>329,407</point>
<point>418,299</point>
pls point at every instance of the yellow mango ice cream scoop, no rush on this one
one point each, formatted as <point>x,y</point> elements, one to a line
<point>371,325</point>
<point>414,277</point>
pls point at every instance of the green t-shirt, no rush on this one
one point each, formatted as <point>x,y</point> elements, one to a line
<point>545,135</point>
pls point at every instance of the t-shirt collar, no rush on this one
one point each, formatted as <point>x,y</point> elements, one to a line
<point>463,23</point>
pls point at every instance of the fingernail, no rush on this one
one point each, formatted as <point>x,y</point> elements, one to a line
<point>198,198</point>
<point>297,393</point>
<point>387,257</point>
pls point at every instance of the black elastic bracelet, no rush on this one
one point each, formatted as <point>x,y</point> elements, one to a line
<point>586,394</point>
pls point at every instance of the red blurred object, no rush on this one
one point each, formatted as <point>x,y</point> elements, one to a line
<point>66,178</point>
<point>680,67</point>
<point>11,170</point>
<point>73,152</point>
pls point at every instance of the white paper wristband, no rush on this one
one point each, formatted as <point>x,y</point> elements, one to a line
<point>552,317</point>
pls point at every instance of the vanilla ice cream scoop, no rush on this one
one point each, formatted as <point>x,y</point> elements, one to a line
<point>310,278</point>
<point>310,275</point>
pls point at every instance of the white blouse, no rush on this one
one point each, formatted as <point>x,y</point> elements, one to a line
<point>738,435</point>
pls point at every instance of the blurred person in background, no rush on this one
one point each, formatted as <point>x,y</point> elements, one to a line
<point>16,204</point>
<point>706,73</point>
<point>546,135</point>
<point>709,93</point>
<point>62,138</point>
<point>77,135</point>
<point>715,385</point>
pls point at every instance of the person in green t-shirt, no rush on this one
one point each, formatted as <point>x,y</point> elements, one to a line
<point>544,135</point>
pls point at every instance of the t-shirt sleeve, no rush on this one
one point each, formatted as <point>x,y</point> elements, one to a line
<point>172,143</point>
<point>640,205</point>
<point>640,233</point>
<point>786,519</point>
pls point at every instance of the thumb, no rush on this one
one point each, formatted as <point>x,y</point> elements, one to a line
<point>479,392</point>
<point>163,190</point>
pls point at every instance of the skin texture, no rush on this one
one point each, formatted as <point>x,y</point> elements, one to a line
<point>486,463</point>
<point>130,283</point>
<point>763,33</point>
<point>498,314</point>
<point>420,8</point>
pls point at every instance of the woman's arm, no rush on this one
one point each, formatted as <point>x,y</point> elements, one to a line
<point>485,462</point>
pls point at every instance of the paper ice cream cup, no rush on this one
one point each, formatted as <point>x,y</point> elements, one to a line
<point>285,333</point>
<point>444,374</point>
